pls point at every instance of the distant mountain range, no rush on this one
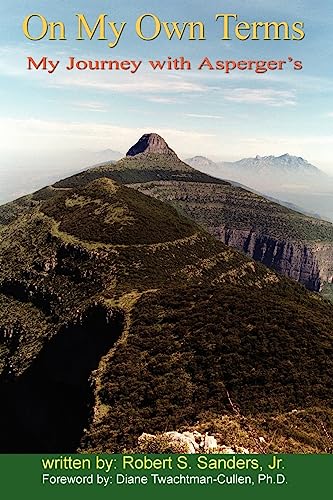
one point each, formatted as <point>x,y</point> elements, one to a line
<point>288,178</point>
<point>286,164</point>
<point>120,311</point>
<point>263,166</point>
<point>98,157</point>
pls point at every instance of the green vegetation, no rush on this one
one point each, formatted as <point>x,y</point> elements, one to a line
<point>210,202</point>
<point>188,346</point>
<point>49,274</point>
<point>131,170</point>
<point>327,291</point>
<point>202,324</point>
<point>106,213</point>
<point>141,168</point>
<point>296,431</point>
<point>213,206</point>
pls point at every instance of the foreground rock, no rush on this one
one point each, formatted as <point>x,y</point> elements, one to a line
<point>185,442</point>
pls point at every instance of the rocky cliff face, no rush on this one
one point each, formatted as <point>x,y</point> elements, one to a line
<point>150,143</point>
<point>308,263</point>
<point>324,255</point>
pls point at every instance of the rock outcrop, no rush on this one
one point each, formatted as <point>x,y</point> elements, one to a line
<point>186,442</point>
<point>308,263</point>
<point>150,143</point>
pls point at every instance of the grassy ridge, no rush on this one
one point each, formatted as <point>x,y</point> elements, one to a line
<point>210,202</point>
<point>107,213</point>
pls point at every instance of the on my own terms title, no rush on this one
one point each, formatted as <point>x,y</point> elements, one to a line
<point>149,27</point>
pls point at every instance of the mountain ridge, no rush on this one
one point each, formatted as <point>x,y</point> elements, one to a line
<point>294,244</point>
<point>121,313</point>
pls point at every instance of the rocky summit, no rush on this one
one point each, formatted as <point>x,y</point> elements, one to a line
<point>121,316</point>
<point>150,143</point>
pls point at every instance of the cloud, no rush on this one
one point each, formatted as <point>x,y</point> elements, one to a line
<point>197,115</point>
<point>290,141</point>
<point>144,81</point>
<point>164,100</point>
<point>126,84</point>
<point>91,106</point>
<point>38,135</point>
<point>268,97</point>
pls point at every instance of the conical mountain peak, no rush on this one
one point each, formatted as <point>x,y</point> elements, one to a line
<point>150,143</point>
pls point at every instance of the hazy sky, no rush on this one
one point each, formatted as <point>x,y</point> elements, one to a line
<point>44,116</point>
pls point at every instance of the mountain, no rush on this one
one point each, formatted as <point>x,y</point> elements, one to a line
<point>295,245</point>
<point>285,177</point>
<point>151,143</point>
<point>120,316</point>
<point>101,157</point>
<point>286,165</point>
<point>202,163</point>
<point>149,159</point>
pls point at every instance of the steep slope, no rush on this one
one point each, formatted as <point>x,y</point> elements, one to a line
<point>118,316</point>
<point>292,243</point>
<point>150,143</point>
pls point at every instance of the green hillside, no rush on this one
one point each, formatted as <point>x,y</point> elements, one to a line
<point>119,316</point>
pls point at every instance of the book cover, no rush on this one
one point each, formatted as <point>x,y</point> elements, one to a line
<point>166,248</point>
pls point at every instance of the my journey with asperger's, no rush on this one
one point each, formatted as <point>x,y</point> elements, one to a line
<point>170,64</point>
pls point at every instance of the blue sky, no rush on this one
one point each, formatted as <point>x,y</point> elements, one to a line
<point>210,113</point>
